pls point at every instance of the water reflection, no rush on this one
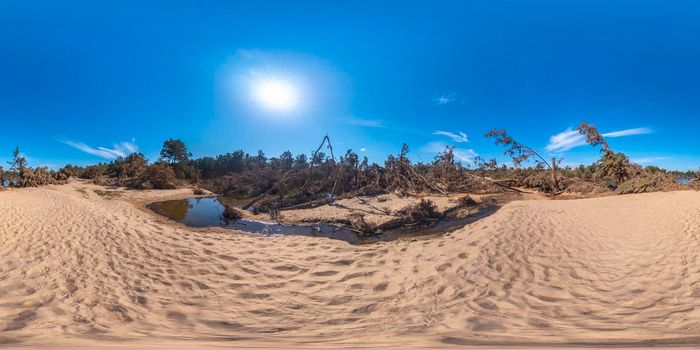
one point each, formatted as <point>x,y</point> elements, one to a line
<point>684,180</point>
<point>197,212</point>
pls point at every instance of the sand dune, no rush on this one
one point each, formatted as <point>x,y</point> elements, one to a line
<point>81,269</point>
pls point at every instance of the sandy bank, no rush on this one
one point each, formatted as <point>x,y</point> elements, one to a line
<point>80,268</point>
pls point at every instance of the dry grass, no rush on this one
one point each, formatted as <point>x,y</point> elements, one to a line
<point>109,194</point>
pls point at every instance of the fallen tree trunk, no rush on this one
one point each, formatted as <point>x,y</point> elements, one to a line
<point>259,197</point>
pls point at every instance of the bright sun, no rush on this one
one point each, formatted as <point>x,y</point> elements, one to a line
<point>276,94</point>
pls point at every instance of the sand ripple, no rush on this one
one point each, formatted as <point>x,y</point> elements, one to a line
<point>616,270</point>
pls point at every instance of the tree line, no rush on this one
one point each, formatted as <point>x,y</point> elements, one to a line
<point>294,180</point>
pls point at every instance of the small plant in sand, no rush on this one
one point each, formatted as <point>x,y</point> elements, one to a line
<point>421,212</point>
<point>357,222</point>
<point>108,194</point>
<point>467,201</point>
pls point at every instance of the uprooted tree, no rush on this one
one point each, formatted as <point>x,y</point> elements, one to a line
<point>521,153</point>
<point>611,164</point>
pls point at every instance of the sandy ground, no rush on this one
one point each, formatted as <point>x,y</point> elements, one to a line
<point>375,210</point>
<point>81,270</point>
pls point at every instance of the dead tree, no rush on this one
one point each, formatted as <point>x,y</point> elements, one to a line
<point>327,142</point>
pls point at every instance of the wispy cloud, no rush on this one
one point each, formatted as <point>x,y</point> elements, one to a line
<point>648,160</point>
<point>363,149</point>
<point>570,138</point>
<point>445,99</point>
<point>370,123</point>
<point>121,149</point>
<point>565,141</point>
<point>461,155</point>
<point>628,132</point>
<point>459,137</point>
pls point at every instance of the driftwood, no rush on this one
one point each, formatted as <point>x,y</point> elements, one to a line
<point>308,205</point>
<point>385,212</point>
<point>495,182</point>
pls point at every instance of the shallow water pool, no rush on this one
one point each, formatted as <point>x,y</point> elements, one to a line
<point>209,212</point>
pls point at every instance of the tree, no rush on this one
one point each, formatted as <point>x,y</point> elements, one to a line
<point>133,165</point>
<point>593,137</point>
<point>175,152</point>
<point>18,166</point>
<point>520,153</point>
<point>260,160</point>
<point>286,159</point>
<point>160,176</point>
<point>615,165</point>
<point>318,158</point>
<point>611,164</point>
<point>301,161</point>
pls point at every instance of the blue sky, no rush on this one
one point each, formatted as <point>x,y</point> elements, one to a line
<point>85,81</point>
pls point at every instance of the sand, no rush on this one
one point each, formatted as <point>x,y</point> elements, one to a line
<point>81,270</point>
<point>375,210</point>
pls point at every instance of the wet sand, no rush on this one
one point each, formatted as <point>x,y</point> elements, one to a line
<point>79,269</point>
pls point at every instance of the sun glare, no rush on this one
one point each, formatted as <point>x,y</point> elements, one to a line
<point>276,94</point>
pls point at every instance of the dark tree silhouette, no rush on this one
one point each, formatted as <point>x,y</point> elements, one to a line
<point>174,152</point>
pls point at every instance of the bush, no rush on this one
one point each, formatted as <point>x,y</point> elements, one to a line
<point>100,180</point>
<point>616,166</point>
<point>93,171</point>
<point>132,166</point>
<point>357,222</point>
<point>467,201</point>
<point>577,185</point>
<point>650,183</point>
<point>61,175</point>
<point>423,211</point>
<point>160,176</point>
<point>35,177</point>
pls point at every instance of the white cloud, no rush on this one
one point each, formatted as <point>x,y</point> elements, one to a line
<point>121,149</point>
<point>461,155</point>
<point>459,137</point>
<point>648,160</point>
<point>570,138</point>
<point>565,141</point>
<point>445,99</point>
<point>628,132</point>
<point>363,149</point>
<point>370,123</point>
